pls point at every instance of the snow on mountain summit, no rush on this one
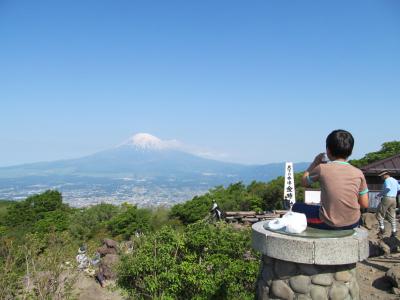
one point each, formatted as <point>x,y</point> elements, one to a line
<point>146,141</point>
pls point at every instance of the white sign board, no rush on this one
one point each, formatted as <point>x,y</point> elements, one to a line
<point>312,197</point>
<point>289,192</point>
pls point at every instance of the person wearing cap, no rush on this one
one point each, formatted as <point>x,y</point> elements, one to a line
<point>387,206</point>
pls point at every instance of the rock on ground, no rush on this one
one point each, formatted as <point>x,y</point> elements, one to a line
<point>373,276</point>
<point>393,275</point>
<point>86,288</point>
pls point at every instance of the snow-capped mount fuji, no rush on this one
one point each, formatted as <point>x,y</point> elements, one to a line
<point>148,142</point>
<point>144,155</point>
<point>144,161</point>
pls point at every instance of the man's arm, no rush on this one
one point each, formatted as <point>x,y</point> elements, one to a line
<point>305,180</point>
<point>363,200</point>
<point>384,191</point>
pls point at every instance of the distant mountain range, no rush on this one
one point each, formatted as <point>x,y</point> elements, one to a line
<point>143,161</point>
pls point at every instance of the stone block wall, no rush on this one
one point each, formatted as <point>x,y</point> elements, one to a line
<point>279,279</point>
<point>251,217</point>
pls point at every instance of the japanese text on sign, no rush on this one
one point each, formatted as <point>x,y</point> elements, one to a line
<point>289,190</point>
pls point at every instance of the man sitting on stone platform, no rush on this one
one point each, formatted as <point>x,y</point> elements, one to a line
<point>343,187</point>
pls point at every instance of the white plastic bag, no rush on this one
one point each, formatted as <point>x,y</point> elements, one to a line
<point>276,224</point>
<point>295,222</point>
<point>292,221</point>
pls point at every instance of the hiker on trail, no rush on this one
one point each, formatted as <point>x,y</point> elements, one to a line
<point>82,259</point>
<point>343,187</point>
<point>387,206</point>
<point>216,211</point>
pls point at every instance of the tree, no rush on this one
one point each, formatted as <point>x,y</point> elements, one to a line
<point>235,197</point>
<point>388,149</point>
<point>193,210</point>
<point>38,212</point>
<point>130,220</point>
<point>52,221</point>
<point>87,222</point>
<point>273,195</point>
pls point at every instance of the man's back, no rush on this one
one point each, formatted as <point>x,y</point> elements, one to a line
<point>341,185</point>
<point>390,187</point>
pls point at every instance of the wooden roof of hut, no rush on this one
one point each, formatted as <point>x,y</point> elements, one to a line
<point>391,164</point>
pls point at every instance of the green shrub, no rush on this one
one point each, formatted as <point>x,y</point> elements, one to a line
<point>130,220</point>
<point>202,262</point>
<point>90,221</point>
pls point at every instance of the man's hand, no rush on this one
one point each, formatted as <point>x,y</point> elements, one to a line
<point>319,159</point>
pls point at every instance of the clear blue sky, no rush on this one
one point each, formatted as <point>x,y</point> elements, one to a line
<point>258,81</point>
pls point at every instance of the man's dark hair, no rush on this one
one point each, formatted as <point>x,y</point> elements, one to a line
<point>340,143</point>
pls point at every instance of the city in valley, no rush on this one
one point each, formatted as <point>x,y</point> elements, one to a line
<point>79,192</point>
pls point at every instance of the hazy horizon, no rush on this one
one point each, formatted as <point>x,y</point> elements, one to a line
<point>179,147</point>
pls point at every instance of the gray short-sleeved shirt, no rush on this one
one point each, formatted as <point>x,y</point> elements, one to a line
<point>341,185</point>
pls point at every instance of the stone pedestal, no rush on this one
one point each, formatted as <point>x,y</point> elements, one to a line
<point>308,268</point>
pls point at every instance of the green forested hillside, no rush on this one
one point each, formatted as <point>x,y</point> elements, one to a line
<point>180,254</point>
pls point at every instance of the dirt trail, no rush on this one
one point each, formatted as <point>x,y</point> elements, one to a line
<point>371,272</point>
<point>86,288</point>
<point>371,277</point>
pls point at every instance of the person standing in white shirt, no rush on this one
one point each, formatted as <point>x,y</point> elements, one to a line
<point>387,206</point>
